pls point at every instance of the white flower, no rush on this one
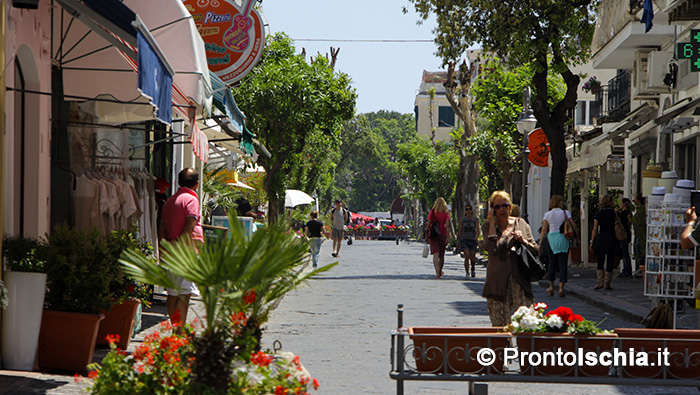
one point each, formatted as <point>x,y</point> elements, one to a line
<point>522,310</point>
<point>554,321</point>
<point>514,324</point>
<point>541,306</point>
<point>529,322</point>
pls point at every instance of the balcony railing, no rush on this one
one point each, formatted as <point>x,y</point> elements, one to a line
<point>612,102</point>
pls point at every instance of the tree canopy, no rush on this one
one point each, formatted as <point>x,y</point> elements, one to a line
<point>547,35</point>
<point>295,107</point>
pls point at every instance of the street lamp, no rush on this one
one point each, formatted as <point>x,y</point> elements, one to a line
<point>525,124</point>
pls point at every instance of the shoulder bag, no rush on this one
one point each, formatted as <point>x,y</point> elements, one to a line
<point>528,265</point>
<point>620,232</point>
<point>566,229</point>
<point>435,230</point>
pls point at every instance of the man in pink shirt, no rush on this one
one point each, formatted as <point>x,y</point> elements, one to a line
<point>180,218</point>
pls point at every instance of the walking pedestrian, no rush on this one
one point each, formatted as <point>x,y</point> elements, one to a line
<point>639,225</point>
<point>180,222</point>
<point>625,214</point>
<point>558,251</point>
<point>339,216</point>
<point>505,289</point>
<point>604,242</point>
<point>439,216</point>
<point>468,234</point>
<point>313,232</point>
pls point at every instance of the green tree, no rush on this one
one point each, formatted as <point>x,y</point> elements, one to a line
<point>497,102</point>
<point>430,172</point>
<point>368,159</point>
<point>547,35</point>
<point>291,103</point>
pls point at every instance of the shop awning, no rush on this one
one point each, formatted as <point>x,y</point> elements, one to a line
<point>91,51</point>
<point>595,152</point>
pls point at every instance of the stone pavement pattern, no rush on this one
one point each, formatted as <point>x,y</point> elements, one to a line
<point>340,323</point>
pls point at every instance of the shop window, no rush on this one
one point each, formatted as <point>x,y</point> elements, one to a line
<point>583,113</point>
<point>446,116</point>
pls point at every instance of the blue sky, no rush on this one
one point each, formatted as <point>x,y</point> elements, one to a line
<point>386,75</point>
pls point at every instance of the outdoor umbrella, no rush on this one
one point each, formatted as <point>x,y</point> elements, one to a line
<point>295,197</point>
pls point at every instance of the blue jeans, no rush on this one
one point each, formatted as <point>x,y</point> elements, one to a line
<point>626,259</point>
<point>315,247</point>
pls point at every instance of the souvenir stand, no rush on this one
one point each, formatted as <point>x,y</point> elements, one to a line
<point>670,270</point>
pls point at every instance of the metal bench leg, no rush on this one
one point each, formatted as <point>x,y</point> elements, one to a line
<point>478,388</point>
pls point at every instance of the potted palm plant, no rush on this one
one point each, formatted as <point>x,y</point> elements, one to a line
<point>79,272</point>
<point>26,281</point>
<point>240,280</point>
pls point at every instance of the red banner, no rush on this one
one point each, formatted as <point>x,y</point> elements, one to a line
<point>234,38</point>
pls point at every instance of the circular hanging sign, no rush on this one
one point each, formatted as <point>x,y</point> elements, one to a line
<point>233,37</point>
<point>539,148</point>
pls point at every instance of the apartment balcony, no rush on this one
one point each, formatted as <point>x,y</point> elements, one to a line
<point>612,101</point>
<point>619,33</point>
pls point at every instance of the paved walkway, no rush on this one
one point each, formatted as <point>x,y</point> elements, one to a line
<point>340,323</point>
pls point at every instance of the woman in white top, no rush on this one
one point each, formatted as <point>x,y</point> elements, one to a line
<point>558,244</point>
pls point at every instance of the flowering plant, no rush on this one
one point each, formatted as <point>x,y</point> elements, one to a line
<point>561,319</point>
<point>591,84</point>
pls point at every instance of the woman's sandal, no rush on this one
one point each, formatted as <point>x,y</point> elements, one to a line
<point>550,291</point>
<point>562,294</point>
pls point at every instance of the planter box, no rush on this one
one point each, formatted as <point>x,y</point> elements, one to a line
<point>22,319</point>
<point>683,346</point>
<point>119,321</point>
<point>543,343</point>
<point>454,349</point>
<point>67,340</point>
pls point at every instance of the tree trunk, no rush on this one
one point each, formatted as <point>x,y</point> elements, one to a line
<point>467,188</point>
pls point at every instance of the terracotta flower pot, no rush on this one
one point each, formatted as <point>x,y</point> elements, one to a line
<point>119,321</point>
<point>552,341</point>
<point>683,346</point>
<point>454,349</point>
<point>67,340</point>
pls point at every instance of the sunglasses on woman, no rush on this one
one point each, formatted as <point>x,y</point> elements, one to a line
<point>497,206</point>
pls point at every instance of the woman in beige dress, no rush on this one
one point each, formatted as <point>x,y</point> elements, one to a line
<point>505,289</point>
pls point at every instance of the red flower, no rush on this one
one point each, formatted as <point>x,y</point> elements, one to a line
<point>279,390</point>
<point>239,319</point>
<point>93,374</point>
<point>261,359</point>
<point>249,297</point>
<point>130,288</point>
<point>315,382</point>
<point>112,339</point>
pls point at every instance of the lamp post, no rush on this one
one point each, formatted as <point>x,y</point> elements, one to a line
<point>525,124</point>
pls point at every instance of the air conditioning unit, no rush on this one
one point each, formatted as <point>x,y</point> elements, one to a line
<point>657,68</point>
<point>685,79</point>
<point>639,75</point>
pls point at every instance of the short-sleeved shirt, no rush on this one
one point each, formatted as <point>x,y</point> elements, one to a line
<point>555,217</point>
<point>315,226</point>
<point>339,218</point>
<point>442,218</point>
<point>469,228</point>
<point>184,203</point>
<point>695,235</point>
<point>606,220</point>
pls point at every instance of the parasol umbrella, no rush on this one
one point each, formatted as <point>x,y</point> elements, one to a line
<point>295,197</point>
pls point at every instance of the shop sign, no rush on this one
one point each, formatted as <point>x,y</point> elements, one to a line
<point>233,36</point>
<point>539,148</point>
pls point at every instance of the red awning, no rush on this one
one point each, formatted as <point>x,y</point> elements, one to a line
<point>360,217</point>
